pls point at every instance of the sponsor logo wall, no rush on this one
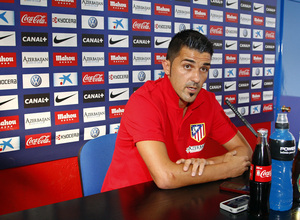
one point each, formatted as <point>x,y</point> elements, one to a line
<point>67,68</point>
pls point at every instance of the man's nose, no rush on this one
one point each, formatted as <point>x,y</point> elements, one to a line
<point>196,76</point>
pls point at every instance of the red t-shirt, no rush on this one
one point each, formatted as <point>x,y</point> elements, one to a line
<point>153,113</point>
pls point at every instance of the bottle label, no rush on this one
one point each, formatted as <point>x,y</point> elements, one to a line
<point>260,173</point>
<point>282,149</point>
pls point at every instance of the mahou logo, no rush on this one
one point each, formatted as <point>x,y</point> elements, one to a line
<point>231,98</point>
<point>258,58</point>
<point>244,72</point>
<point>37,140</point>
<point>161,9</point>
<point>255,96</point>
<point>33,19</point>
<point>141,25</point>
<point>66,117</point>
<point>232,17</point>
<point>64,59</point>
<point>268,107</point>
<point>258,20</point>
<point>116,111</point>
<point>118,5</point>
<point>90,78</point>
<point>159,57</point>
<point>216,30</point>
<point>9,123</point>
<point>200,13</point>
<point>230,58</point>
<point>8,60</point>
<point>270,35</point>
<point>118,59</point>
<point>64,3</point>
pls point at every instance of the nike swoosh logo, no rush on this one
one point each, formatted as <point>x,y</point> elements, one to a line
<point>116,95</point>
<point>256,8</point>
<point>256,46</point>
<point>111,41</point>
<point>58,100</point>
<point>230,3</point>
<point>229,45</point>
<point>5,36</point>
<point>2,103</point>
<point>255,84</point>
<point>227,87</point>
<point>159,43</point>
<point>57,41</point>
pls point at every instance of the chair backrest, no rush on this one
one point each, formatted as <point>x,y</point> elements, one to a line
<point>94,159</point>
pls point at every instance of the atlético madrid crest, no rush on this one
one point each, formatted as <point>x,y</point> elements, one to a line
<point>198,131</point>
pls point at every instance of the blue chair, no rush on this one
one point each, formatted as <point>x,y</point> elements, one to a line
<point>94,159</point>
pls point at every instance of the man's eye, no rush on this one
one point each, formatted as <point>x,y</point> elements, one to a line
<point>203,69</point>
<point>187,66</point>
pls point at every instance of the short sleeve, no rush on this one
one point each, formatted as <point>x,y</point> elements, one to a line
<point>142,119</point>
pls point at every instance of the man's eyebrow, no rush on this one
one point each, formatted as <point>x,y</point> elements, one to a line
<point>206,64</point>
<point>193,61</point>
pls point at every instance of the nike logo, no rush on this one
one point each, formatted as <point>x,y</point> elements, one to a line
<point>157,43</point>
<point>256,46</point>
<point>228,86</point>
<point>254,84</point>
<point>230,3</point>
<point>256,8</point>
<point>57,41</point>
<point>2,103</point>
<point>111,41</point>
<point>58,100</point>
<point>116,95</point>
<point>229,45</point>
<point>5,36</point>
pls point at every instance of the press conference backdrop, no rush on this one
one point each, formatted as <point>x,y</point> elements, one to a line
<point>67,67</point>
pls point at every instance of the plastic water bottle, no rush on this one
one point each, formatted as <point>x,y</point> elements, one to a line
<point>282,144</point>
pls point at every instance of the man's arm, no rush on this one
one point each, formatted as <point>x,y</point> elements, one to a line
<point>167,174</point>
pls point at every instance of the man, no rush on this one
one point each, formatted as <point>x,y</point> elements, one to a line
<point>166,123</point>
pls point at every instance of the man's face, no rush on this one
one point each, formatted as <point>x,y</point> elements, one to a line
<point>187,73</point>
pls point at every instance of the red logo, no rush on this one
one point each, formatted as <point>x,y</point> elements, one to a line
<point>116,111</point>
<point>216,30</point>
<point>161,9</point>
<point>230,58</point>
<point>118,5</point>
<point>244,72</point>
<point>141,25</point>
<point>33,19</point>
<point>258,20</point>
<point>64,59</point>
<point>37,140</point>
<point>64,3</point>
<point>9,123</point>
<point>231,98</point>
<point>257,58</point>
<point>8,60</point>
<point>256,96</point>
<point>66,117</point>
<point>89,78</point>
<point>262,173</point>
<point>268,107</point>
<point>200,13</point>
<point>232,17</point>
<point>7,1</point>
<point>118,59</point>
<point>270,35</point>
<point>159,57</point>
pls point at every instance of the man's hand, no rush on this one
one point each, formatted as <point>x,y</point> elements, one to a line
<point>238,164</point>
<point>198,164</point>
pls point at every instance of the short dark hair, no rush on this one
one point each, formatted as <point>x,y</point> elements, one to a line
<point>190,38</point>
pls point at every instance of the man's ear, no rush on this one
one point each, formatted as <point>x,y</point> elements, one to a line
<point>166,64</point>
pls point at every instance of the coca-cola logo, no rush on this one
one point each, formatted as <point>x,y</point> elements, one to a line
<point>268,107</point>
<point>89,78</point>
<point>216,30</point>
<point>141,25</point>
<point>263,173</point>
<point>37,140</point>
<point>244,72</point>
<point>33,19</point>
<point>270,35</point>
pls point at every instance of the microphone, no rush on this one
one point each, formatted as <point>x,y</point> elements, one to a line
<point>241,117</point>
